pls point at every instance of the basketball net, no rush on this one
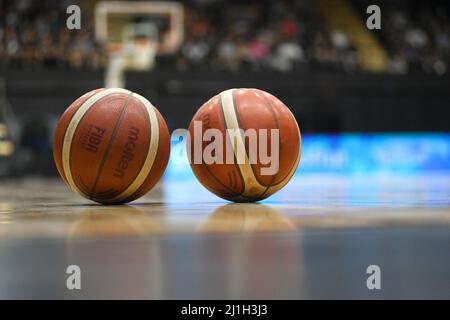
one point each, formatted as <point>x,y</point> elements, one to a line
<point>138,55</point>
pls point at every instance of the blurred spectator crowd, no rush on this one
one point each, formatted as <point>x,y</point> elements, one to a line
<point>280,35</point>
<point>418,39</point>
<point>230,35</point>
<point>33,34</point>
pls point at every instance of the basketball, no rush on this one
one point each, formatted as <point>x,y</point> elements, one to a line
<point>111,146</point>
<point>244,145</point>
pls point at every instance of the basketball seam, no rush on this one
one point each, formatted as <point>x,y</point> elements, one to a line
<point>143,161</point>
<point>246,150</point>
<point>148,165</point>
<point>109,145</point>
<point>281,184</point>
<point>67,153</point>
<point>78,180</point>
<point>295,162</point>
<point>217,179</point>
<point>253,181</point>
<point>107,192</point>
<point>115,194</point>
<point>222,118</point>
<point>234,155</point>
<point>269,105</point>
<point>76,131</point>
<point>61,143</point>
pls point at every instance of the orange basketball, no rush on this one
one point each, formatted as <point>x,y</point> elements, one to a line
<point>245,118</point>
<point>111,146</point>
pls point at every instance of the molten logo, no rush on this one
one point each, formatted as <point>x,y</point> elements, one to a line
<point>127,153</point>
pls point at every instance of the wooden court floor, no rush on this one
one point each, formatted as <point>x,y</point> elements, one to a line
<point>315,239</point>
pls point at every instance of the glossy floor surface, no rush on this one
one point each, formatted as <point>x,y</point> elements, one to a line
<point>314,239</point>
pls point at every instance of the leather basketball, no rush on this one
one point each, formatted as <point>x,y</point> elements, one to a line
<point>244,118</point>
<point>111,146</point>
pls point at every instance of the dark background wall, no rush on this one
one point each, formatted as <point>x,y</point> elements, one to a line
<point>322,102</point>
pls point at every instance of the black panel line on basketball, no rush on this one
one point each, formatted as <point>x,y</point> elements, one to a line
<point>209,171</point>
<point>110,142</point>
<point>78,179</point>
<point>288,173</point>
<point>145,155</point>
<point>234,155</point>
<point>75,131</point>
<point>207,168</point>
<point>148,147</point>
<point>77,127</point>
<point>245,146</point>
<point>269,105</point>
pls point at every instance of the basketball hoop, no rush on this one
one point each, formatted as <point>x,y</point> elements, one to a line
<point>132,38</point>
<point>136,55</point>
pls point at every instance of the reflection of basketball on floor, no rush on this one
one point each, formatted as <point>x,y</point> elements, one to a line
<point>111,146</point>
<point>253,111</point>
<point>113,221</point>
<point>246,217</point>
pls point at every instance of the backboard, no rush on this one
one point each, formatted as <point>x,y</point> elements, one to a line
<point>115,21</point>
<point>134,32</point>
